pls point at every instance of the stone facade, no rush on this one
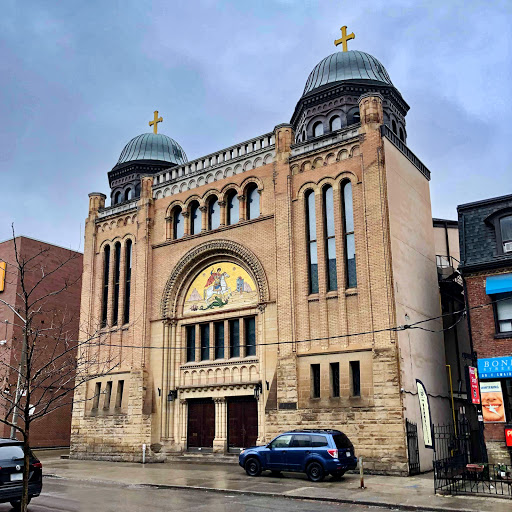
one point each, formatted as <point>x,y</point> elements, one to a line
<point>294,329</point>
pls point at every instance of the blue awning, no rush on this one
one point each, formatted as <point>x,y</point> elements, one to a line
<point>498,284</point>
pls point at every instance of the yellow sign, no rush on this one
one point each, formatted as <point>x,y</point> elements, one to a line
<point>155,121</point>
<point>223,285</point>
<point>344,38</point>
<point>2,275</point>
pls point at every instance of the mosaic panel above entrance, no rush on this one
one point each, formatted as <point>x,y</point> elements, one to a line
<point>221,285</point>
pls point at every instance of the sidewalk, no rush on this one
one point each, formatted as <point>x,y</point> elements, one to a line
<point>412,493</point>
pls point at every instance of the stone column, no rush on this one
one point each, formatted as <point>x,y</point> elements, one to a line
<point>223,219</point>
<point>261,416</point>
<point>184,423</point>
<point>204,217</point>
<point>220,441</point>
<point>186,227</point>
<point>242,209</point>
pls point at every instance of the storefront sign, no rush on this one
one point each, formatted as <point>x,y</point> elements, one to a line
<point>426,423</point>
<point>495,367</point>
<point>492,402</point>
<point>473,382</point>
<point>508,436</point>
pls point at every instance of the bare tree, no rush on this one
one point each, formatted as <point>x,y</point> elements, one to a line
<point>50,358</point>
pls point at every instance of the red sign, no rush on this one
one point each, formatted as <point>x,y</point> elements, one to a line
<point>508,436</point>
<point>473,381</point>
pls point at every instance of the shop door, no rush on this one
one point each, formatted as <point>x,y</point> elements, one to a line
<point>242,422</point>
<point>201,423</point>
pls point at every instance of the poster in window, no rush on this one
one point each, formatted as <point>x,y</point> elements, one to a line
<point>493,407</point>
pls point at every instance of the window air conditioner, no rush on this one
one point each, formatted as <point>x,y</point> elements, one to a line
<point>507,247</point>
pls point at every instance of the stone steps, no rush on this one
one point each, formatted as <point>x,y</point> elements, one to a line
<point>204,458</point>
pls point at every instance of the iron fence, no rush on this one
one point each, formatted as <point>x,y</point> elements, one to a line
<point>413,451</point>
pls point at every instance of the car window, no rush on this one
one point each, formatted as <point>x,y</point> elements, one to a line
<point>342,441</point>
<point>301,441</point>
<point>317,441</point>
<point>281,442</point>
<point>10,452</point>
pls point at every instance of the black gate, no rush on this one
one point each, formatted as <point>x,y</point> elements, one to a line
<point>412,447</point>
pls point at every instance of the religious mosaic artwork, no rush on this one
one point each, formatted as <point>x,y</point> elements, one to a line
<point>221,285</point>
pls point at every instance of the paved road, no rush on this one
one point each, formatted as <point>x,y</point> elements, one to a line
<point>63,496</point>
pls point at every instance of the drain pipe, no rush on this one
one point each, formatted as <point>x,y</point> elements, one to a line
<point>144,453</point>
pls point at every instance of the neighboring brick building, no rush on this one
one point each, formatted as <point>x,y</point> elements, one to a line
<point>235,287</point>
<point>54,429</point>
<point>486,265</point>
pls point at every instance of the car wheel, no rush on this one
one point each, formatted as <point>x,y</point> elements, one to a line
<point>275,472</point>
<point>315,472</point>
<point>253,467</point>
<point>16,505</point>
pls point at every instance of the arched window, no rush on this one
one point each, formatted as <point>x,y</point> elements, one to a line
<point>253,201</point>
<point>213,213</point>
<point>128,194</point>
<point>233,205</point>
<point>330,240</point>
<point>127,281</point>
<point>318,129</point>
<point>117,197</point>
<point>195,218</point>
<point>178,223</point>
<point>117,277</point>
<point>353,116</point>
<point>104,302</point>
<point>401,134</point>
<point>311,241</point>
<point>393,126</point>
<point>335,123</point>
<point>348,230</point>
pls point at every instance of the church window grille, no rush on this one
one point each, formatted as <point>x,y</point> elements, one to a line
<point>393,126</point>
<point>219,340</point>
<point>311,240</point>
<point>350,246</point>
<point>119,396</point>
<point>250,336</point>
<point>234,338</point>
<point>106,268</point>
<point>253,201</point>
<point>213,213</point>
<point>117,279</point>
<point>191,343</point>
<point>233,212</point>
<point>204,330</point>
<point>117,198</point>
<point>335,123</point>
<point>108,396</point>
<point>401,135</point>
<point>127,281</point>
<point>179,224</point>
<point>315,381</point>
<point>195,218</point>
<point>330,240</point>
<point>318,129</point>
<point>355,378</point>
<point>128,194</point>
<point>335,380</point>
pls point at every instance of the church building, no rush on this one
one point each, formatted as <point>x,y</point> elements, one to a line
<point>259,288</point>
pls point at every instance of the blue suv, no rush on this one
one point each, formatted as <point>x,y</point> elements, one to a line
<point>315,452</point>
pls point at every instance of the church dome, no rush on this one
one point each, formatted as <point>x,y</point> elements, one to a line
<point>153,146</point>
<point>346,66</point>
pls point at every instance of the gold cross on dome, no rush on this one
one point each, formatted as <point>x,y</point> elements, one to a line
<point>344,38</point>
<point>155,122</point>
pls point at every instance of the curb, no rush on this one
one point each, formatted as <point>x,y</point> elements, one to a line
<point>381,504</point>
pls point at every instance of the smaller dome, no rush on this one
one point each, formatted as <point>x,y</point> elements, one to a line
<point>347,66</point>
<point>153,146</point>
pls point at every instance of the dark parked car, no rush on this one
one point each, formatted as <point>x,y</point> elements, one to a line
<point>11,473</point>
<point>315,452</point>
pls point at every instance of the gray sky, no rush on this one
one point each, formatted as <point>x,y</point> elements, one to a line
<point>78,80</point>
